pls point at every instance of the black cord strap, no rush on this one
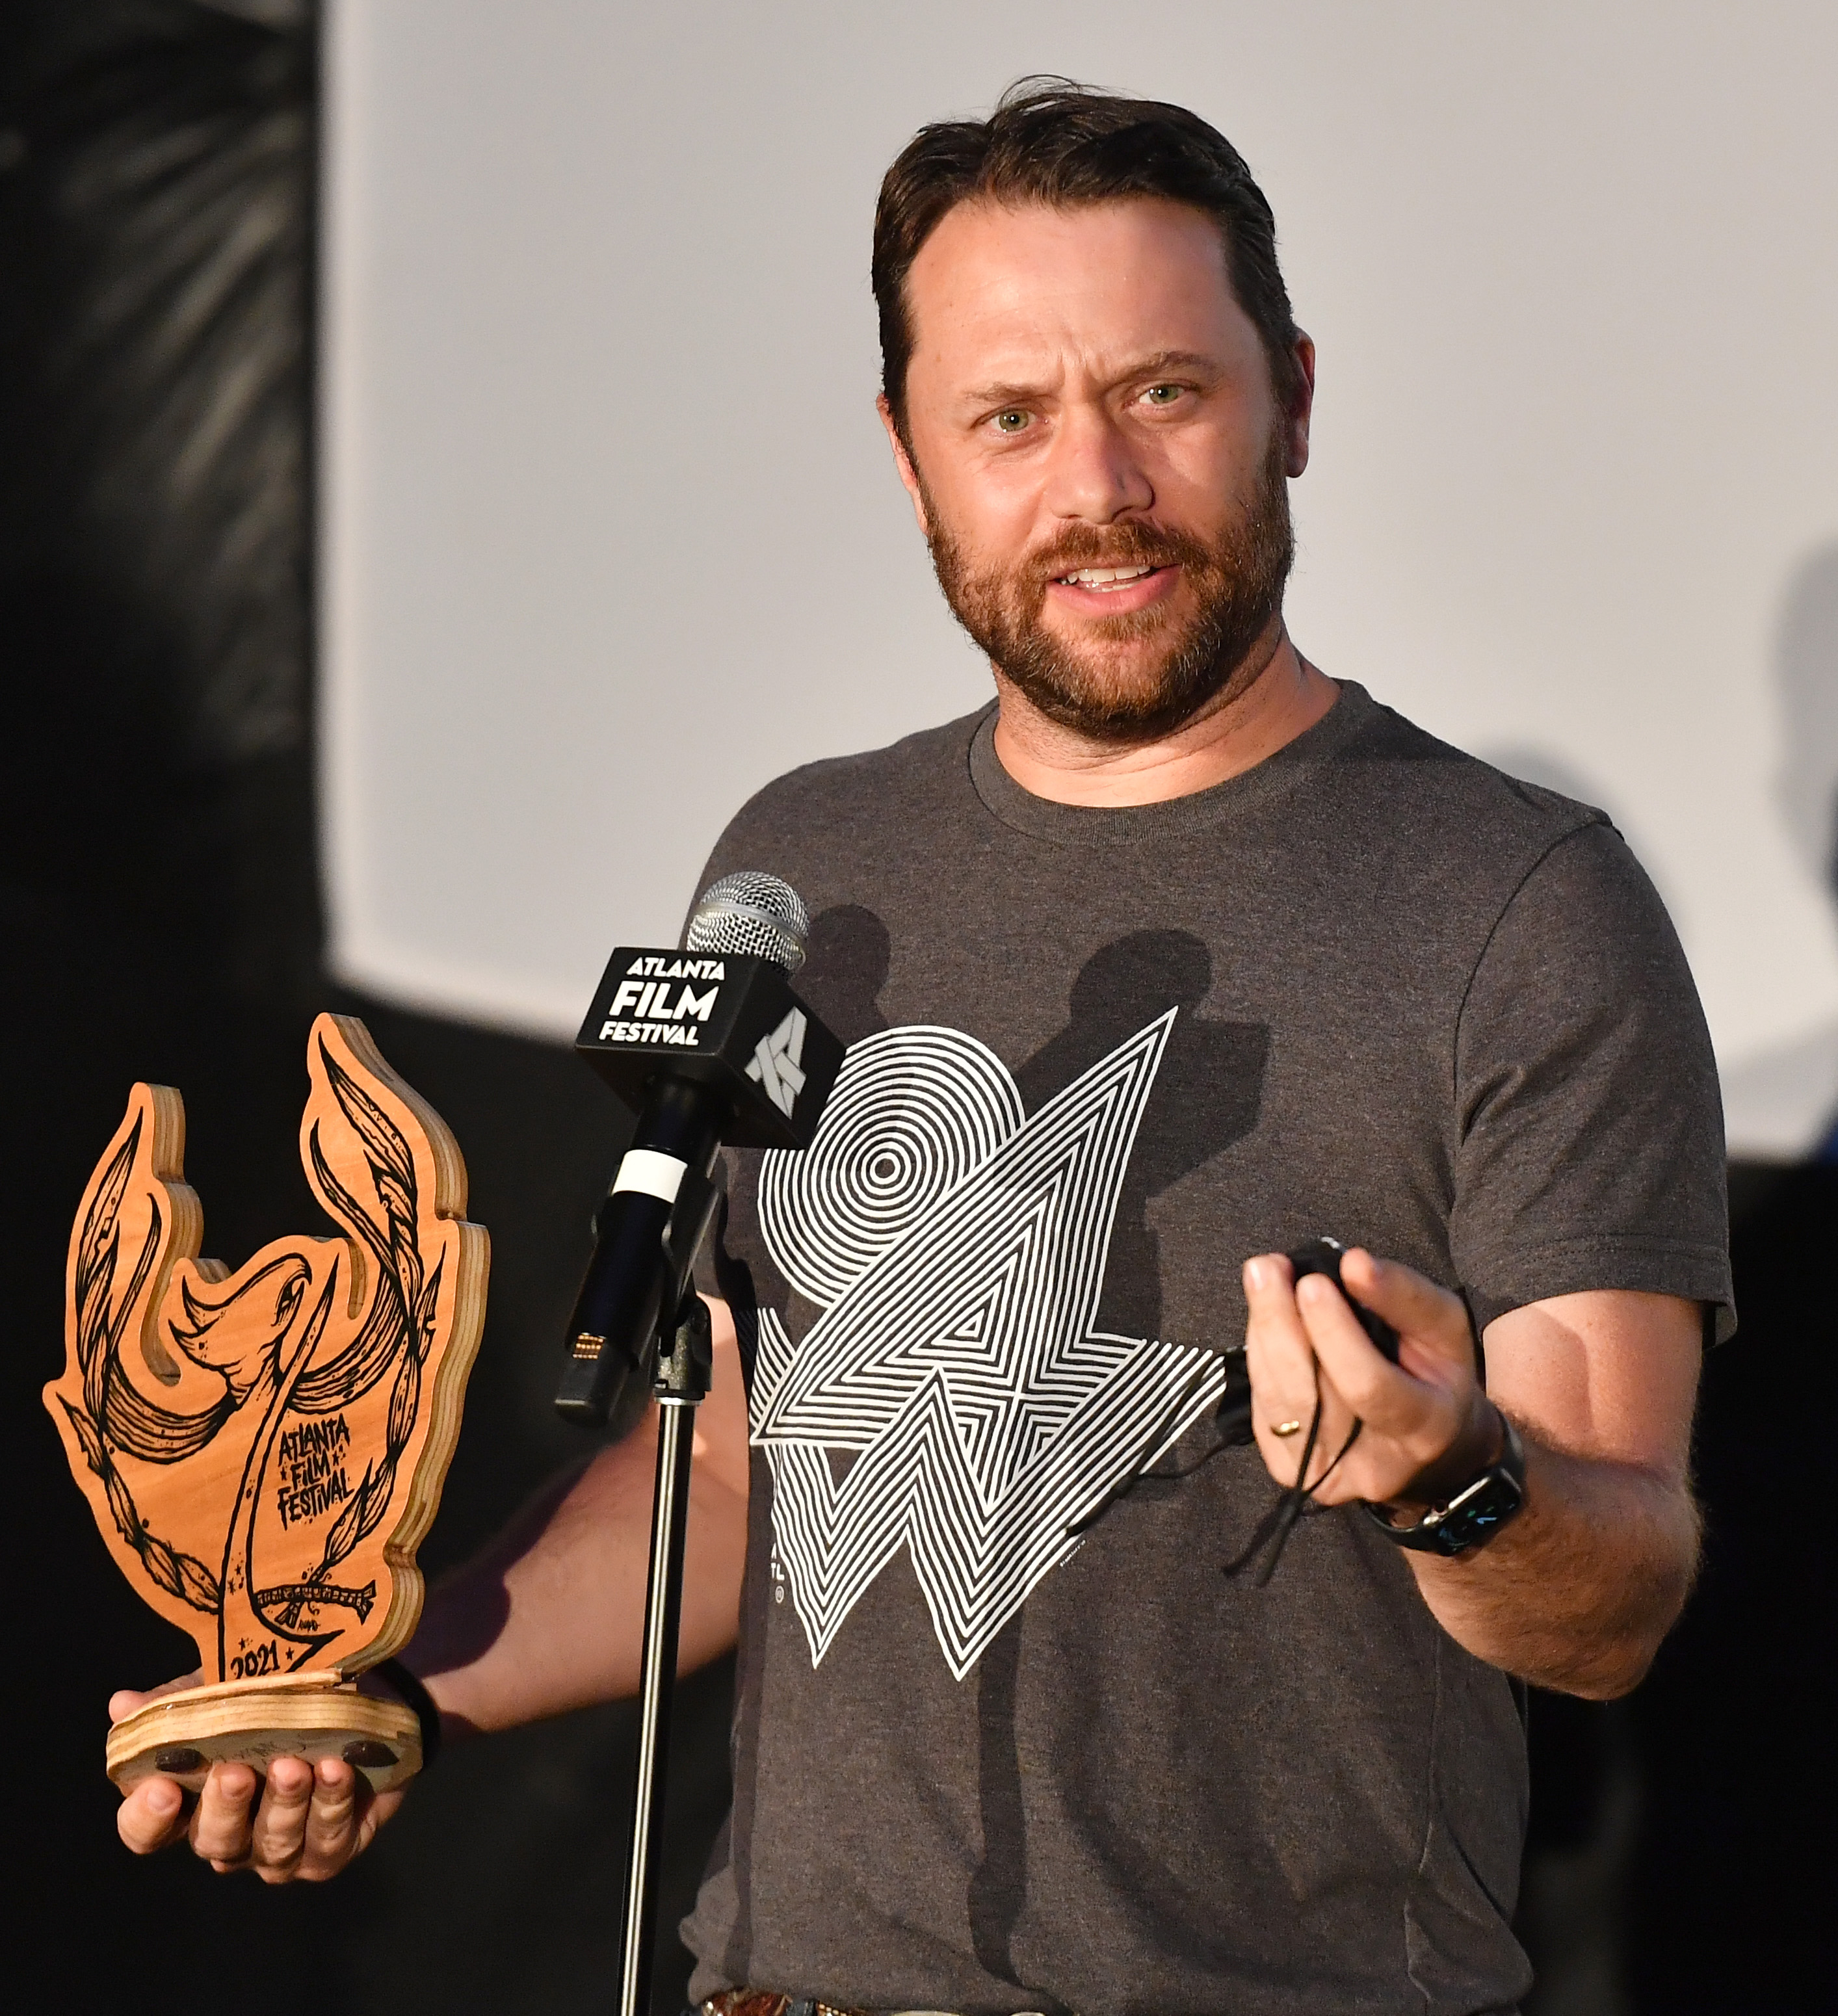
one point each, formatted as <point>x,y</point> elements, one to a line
<point>416,1697</point>
<point>1296,1500</point>
<point>1295,1497</point>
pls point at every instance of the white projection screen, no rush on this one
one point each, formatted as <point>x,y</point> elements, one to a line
<point>609,537</point>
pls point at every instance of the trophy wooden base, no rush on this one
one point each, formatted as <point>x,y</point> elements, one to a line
<point>253,1722</point>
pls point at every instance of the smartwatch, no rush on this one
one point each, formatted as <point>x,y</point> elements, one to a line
<point>1475,1513</point>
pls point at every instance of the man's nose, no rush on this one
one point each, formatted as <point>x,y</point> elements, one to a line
<point>1094,474</point>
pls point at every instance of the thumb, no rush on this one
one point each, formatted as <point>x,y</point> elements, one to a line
<point>126,1702</point>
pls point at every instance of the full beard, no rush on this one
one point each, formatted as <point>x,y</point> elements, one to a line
<point>1236,580</point>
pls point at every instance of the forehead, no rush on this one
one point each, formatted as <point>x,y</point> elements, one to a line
<point>1000,288</point>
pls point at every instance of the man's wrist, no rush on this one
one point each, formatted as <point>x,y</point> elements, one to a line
<point>1471,1514</point>
<point>409,1689</point>
<point>1478,1446</point>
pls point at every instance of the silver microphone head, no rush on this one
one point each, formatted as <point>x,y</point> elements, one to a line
<point>752,915</point>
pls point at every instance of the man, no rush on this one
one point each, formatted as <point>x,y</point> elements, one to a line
<point>1179,954</point>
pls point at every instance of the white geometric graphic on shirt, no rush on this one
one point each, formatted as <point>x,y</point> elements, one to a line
<point>954,1397</point>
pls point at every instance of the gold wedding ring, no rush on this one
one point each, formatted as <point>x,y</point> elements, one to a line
<point>1286,1428</point>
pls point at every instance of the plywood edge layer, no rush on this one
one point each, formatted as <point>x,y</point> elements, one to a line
<point>180,1736</point>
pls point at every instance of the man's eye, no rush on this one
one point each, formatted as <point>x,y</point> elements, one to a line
<point>1011,422</point>
<point>1163,395</point>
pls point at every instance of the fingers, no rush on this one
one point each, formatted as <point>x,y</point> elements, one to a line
<point>221,1821</point>
<point>152,1816</point>
<point>304,1822</point>
<point>332,1821</point>
<point>312,1822</point>
<point>1381,1395</point>
<point>277,1833</point>
<point>1286,1382</point>
<point>1280,1360</point>
<point>1433,1322</point>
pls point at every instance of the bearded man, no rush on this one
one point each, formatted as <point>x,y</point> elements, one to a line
<point>1180,952</point>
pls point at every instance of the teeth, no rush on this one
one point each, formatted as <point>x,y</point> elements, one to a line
<point>1105,576</point>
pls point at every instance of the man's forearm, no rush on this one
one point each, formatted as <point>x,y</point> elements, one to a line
<point>1578,1592</point>
<point>550,1616</point>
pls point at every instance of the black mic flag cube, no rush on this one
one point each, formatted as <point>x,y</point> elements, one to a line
<point>726,1021</point>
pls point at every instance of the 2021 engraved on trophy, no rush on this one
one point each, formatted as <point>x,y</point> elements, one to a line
<point>264,1450</point>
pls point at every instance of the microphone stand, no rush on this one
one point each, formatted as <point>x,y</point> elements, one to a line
<point>681,1385</point>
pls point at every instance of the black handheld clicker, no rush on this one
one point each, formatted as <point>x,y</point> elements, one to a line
<point>1322,1255</point>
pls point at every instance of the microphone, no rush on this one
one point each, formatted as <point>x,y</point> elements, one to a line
<point>705,1044</point>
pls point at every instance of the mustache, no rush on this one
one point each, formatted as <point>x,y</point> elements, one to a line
<point>1129,544</point>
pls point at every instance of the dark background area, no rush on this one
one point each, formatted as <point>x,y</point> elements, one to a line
<point>159,904</point>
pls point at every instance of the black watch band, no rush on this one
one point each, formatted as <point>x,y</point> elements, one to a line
<point>1475,1513</point>
<point>416,1698</point>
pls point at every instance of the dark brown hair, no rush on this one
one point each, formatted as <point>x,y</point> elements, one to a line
<point>1053,142</point>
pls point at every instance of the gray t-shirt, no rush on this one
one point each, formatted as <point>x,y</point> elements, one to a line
<point>1008,1735</point>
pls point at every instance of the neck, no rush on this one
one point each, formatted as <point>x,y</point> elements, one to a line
<point>1274,695</point>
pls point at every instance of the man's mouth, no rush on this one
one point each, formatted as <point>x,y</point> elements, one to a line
<point>1105,579</point>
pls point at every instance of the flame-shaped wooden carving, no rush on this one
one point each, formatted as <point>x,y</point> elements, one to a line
<point>264,1450</point>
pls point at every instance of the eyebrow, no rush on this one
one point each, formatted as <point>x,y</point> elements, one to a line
<point>1014,390</point>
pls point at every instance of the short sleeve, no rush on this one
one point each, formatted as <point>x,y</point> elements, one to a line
<point>1590,1151</point>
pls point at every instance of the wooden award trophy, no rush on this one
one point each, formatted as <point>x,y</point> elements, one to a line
<point>264,1450</point>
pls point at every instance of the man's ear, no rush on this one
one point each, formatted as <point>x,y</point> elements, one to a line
<point>902,462</point>
<point>1302,406</point>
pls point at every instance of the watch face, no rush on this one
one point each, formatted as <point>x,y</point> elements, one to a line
<point>1479,1513</point>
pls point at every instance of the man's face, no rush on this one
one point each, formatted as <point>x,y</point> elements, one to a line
<point>1097,456</point>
